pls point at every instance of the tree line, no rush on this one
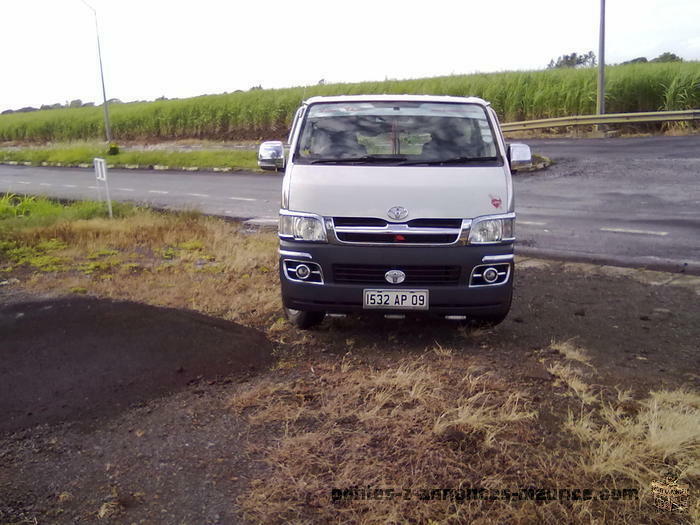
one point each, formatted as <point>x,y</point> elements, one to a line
<point>589,60</point>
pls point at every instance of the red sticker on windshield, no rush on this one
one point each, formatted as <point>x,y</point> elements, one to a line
<point>495,201</point>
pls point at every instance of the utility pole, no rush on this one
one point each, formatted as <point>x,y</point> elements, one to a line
<point>600,100</point>
<point>105,107</point>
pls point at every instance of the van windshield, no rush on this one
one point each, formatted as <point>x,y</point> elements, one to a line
<point>401,133</point>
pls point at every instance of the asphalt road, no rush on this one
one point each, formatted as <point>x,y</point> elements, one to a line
<point>631,201</point>
<point>246,195</point>
<point>625,200</point>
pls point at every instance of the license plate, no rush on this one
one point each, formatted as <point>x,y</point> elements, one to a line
<point>396,299</point>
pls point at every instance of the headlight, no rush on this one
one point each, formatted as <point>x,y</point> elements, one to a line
<point>302,228</point>
<point>491,230</point>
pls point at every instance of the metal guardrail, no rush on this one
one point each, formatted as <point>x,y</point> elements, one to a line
<point>611,118</point>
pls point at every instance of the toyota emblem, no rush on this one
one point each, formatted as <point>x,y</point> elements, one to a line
<point>395,276</point>
<point>397,213</point>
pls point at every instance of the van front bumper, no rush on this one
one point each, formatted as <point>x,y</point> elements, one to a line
<point>454,298</point>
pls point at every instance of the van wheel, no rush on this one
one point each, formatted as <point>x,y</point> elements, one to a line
<point>488,321</point>
<point>303,319</point>
<point>493,318</point>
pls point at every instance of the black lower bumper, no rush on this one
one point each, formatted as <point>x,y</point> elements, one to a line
<point>456,298</point>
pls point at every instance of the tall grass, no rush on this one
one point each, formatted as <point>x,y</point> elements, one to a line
<point>516,95</point>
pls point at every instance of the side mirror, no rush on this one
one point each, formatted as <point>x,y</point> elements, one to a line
<point>271,155</point>
<point>519,157</point>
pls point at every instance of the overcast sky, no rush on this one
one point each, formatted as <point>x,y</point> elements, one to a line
<point>185,48</point>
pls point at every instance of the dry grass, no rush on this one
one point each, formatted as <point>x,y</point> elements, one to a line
<point>572,352</point>
<point>412,425</point>
<point>427,422</point>
<point>178,260</point>
<point>656,438</point>
<point>569,377</point>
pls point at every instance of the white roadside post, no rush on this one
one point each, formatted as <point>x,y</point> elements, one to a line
<point>101,176</point>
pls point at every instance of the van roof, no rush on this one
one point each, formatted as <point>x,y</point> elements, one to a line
<point>397,98</point>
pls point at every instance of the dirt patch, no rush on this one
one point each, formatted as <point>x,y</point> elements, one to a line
<point>176,459</point>
<point>638,335</point>
<point>79,358</point>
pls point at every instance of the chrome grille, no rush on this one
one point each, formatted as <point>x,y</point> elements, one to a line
<point>370,230</point>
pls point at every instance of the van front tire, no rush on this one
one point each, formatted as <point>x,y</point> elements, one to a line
<point>493,318</point>
<point>303,319</point>
<point>489,320</point>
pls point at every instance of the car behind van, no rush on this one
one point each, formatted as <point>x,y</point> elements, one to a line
<point>395,204</point>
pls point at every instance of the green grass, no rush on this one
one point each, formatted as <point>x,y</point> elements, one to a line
<point>21,211</point>
<point>516,95</point>
<point>83,153</point>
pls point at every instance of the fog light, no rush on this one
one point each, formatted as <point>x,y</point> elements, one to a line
<point>303,272</point>
<point>490,275</point>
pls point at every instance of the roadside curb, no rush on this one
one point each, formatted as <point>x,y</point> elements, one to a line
<point>646,262</point>
<point>641,275</point>
<point>261,224</point>
<point>539,163</point>
<point>142,167</point>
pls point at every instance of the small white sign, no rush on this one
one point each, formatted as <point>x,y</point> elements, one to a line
<point>100,169</point>
<point>101,176</point>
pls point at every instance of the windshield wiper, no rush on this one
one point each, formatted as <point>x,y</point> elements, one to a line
<point>452,160</point>
<point>364,158</point>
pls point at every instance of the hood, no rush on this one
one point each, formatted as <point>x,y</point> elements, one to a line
<point>425,191</point>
